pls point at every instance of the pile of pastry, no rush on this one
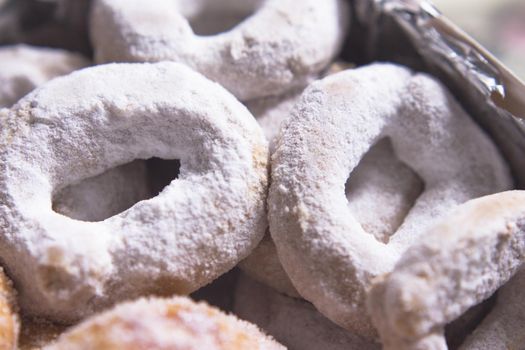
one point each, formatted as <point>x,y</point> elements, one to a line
<point>222,150</point>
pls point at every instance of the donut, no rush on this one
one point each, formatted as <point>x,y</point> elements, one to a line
<point>23,68</point>
<point>200,226</point>
<point>380,191</point>
<point>293,322</point>
<point>9,320</point>
<point>282,45</point>
<point>503,327</point>
<point>328,255</point>
<point>155,324</point>
<point>463,260</point>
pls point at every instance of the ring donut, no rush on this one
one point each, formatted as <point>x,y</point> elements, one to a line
<point>284,44</point>
<point>81,125</point>
<point>380,192</point>
<point>463,260</point>
<point>23,68</point>
<point>338,119</point>
<point>157,324</point>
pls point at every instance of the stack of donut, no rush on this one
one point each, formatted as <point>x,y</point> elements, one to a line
<point>222,150</point>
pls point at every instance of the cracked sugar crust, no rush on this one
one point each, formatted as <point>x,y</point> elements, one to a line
<point>294,323</point>
<point>79,126</point>
<point>23,68</point>
<point>329,257</point>
<point>283,45</point>
<point>463,260</point>
<point>162,324</point>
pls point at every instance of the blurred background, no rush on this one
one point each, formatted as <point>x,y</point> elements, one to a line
<point>499,25</point>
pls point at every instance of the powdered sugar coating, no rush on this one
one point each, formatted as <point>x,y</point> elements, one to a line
<point>329,257</point>
<point>78,126</point>
<point>283,45</point>
<point>294,323</point>
<point>462,261</point>
<point>162,324</point>
<point>380,192</point>
<point>23,68</point>
<point>263,263</point>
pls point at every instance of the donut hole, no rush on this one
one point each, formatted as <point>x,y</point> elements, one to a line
<point>100,197</point>
<point>161,172</point>
<point>218,16</point>
<point>381,190</point>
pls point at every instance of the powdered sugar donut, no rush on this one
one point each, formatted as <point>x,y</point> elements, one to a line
<point>197,228</point>
<point>175,323</point>
<point>380,191</point>
<point>462,261</point>
<point>294,323</point>
<point>329,257</point>
<point>283,45</point>
<point>9,320</point>
<point>23,68</point>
